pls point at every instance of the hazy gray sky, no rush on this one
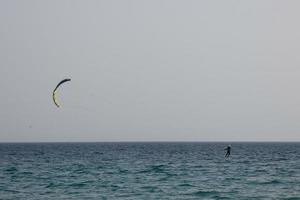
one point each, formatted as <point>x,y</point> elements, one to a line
<point>150,70</point>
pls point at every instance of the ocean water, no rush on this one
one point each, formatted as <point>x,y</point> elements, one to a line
<point>149,171</point>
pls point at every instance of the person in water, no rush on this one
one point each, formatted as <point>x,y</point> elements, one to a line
<point>227,149</point>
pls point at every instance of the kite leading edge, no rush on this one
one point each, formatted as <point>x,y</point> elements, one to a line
<point>54,93</point>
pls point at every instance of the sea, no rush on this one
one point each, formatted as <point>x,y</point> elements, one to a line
<point>150,170</point>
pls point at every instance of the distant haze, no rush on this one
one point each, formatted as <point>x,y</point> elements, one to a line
<point>156,70</point>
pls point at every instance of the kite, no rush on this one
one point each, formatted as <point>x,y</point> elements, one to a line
<point>54,96</point>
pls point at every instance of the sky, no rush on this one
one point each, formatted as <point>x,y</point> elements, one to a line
<point>159,70</point>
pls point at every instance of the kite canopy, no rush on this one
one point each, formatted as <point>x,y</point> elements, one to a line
<point>54,96</point>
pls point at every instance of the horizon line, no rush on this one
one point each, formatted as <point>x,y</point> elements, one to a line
<point>156,141</point>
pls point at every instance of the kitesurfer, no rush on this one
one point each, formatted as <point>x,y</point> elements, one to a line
<point>227,149</point>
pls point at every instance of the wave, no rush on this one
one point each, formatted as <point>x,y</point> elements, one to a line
<point>11,169</point>
<point>186,185</point>
<point>271,182</point>
<point>202,193</point>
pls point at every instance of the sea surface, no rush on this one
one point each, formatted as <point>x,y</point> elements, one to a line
<point>149,171</point>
